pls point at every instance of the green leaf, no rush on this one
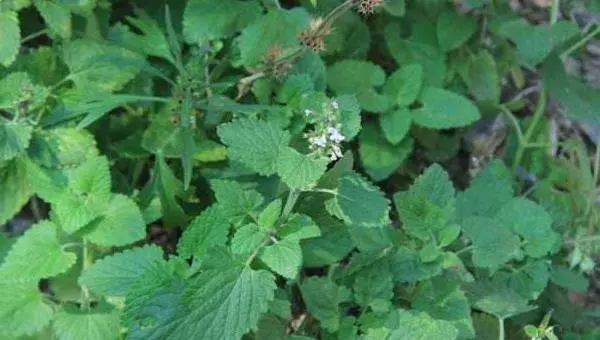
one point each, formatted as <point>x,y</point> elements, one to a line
<point>496,299</point>
<point>22,307</point>
<point>569,279</point>
<point>493,242</point>
<point>429,203</point>
<point>407,52</point>
<point>536,42</point>
<point>206,20</point>
<point>411,325</point>
<point>99,68</point>
<point>349,116</point>
<point>114,275</point>
<point>356,77</point>
<point>270,215</point>
<point>406,266</point>
<point>283,257</point>
<point>15,188</point>
<point>489,191</point>
<point>37,254</point>
<point>322,298</point>
<point>153,41</point>
<point>168,187</point>
<point>238,297</point>
<point>443,109</point>
<point>482,77</point>
<point>236,202</point>
<point>14,139</point>
<point>361,203</point>
<point>61,147</point>
<point>254,143</point>
<point>247,239</point>
<point>300,171</point>
<point>257,38</point>
<point>299,227</point>
<point>395,7</point>
<point>395,124</point>
<point>121,224</point>
<point>207,230</point>
<point>11,37</point>
<point>404,85</point>
<point>56,16</point>
<point>98,323</point>
<point>373,286</point>
<point>532,223</point>
<point>13,88</point>
<point>380,158</point>
<point>454,29</point>
<point>442,299</point>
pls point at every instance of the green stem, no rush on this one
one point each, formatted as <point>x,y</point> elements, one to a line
<point>596,174</point>
<point>514,122</point>
<point>554,12</point>
<point>539,112</point>
<point>34,35</point>
<point>257,250</point>
<point>323,190</point>
<point>86,262</point>
<point>581,42</point>
<point>293,196</point>
<point>464,250</point>
<point>501,329</point>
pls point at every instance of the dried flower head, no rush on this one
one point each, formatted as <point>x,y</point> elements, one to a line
<point>366,7</point>
<point>314,35</point>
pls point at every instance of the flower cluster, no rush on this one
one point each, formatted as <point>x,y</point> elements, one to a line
<point>366,7</point>
<point>326,137</point>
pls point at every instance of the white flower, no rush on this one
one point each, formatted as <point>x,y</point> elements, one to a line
<point>336,151</point>
<point>335,104</point>
<point>335,135</point>
<point>307,112</point>
<point>320,141</point>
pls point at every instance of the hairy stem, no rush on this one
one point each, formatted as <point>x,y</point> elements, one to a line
<point>537,116</point>
<point>86,262</point>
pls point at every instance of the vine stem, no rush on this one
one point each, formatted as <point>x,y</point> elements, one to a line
<point>581,42</point>
<point>501,329</point>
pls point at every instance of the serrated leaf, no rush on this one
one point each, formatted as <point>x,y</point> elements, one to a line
<point>99,68</point>
<point>14,139</point>
<point>395,124</point>
<point>496,299</point>
<point>411,325</point>
<point>270,214</point>
<point>482,77</point>
<point>236,202</point>
<point>404,85</point>
<point>322,298</point>
<point>536,42</point>
<point>356,77</point>
<point>11,37</point>
<point>442,299</point>
<point>406,266</point>
<point>15,188</point>
<point>429,203</point>
<point>115,274</point>
<point>247,239</point>
<point>380,158</point>
<point>37,254</point>
<point>454,29</point>
<point>153,41</point>
<point>12,89</point>
<point>121,224</point>
<point>478,199</point>
<point>493,243</point>
<point>22,307</point>
<point>98,323</point>
<point>362,203</point>
<point>61,147</point>
<point>207,230</point>
<point>206,20</point>
<point>283,257</point>
<point>56,16</point>
<point>300,171</point>
<point>257,38</point>
<point>533,223</point>
<point>254,143</point>
<point>237,297</point>
<point>373,286</point>
<point>167,187</point>
<point>443,109</point>
<point>299,227</point>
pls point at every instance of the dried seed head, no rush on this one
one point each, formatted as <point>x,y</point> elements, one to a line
<point>366,7</point>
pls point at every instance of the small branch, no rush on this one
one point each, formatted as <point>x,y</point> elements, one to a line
<point>34,35</point>
<point>581,42</point>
